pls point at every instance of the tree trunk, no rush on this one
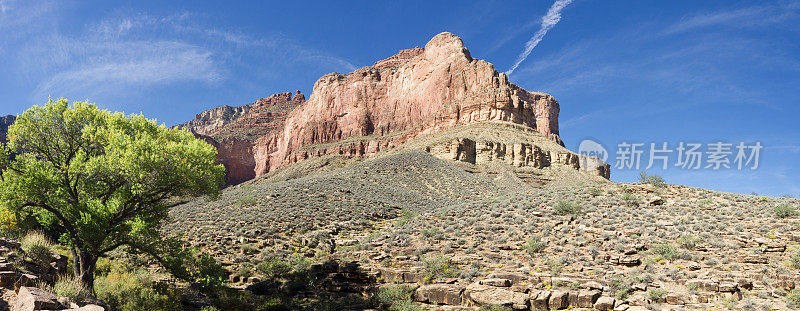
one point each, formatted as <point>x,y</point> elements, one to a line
<point>84,264</point>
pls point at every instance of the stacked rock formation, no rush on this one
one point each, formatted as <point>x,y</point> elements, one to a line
<point>416,92</point>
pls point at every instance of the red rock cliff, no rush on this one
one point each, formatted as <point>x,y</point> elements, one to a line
<point>415,92</point>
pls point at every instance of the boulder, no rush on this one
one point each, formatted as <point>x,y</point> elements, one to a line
<point>32,298</point>
<point>559,300</point>
<point>587,298</point>
<point>7,279</point>
<point>539,301</point>
<point>655,201</point>
<point>496,282</point>
<point>484,295</point>
<point>440,294</point>
<point>604,303</point>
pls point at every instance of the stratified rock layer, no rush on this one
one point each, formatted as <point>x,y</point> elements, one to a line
<point>416,92</point>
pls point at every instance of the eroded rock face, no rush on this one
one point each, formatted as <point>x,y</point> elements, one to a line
<point>415,92</point>
<point>234,130</point>
<point>5,122</point>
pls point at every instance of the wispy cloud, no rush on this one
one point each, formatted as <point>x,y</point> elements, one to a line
<point>130,51</point>
<point>742,17</point>
<point>550,19</point>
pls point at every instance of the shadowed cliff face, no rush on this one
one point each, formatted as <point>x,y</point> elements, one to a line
<point>415,92</point>
<point>5,122</point>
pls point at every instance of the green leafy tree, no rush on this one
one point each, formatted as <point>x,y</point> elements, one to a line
<point>102,180</point>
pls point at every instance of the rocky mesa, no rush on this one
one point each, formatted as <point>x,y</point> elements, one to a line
<point>416,92</point>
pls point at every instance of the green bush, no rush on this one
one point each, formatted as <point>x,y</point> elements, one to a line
<point>795,261</point>
<point>438,266</point>
<point>566,208</point>
<point>534,245</point>
<point>657,295</point>
<point>247,201</point>
<point>274,268</point>
<point>70,287</point>
<point>688,241</point>
<point>392,294</point>
<point>666,251</point>
<point>793,299</point>
<point>785,211</point>
<point>37,247</point>
<point>133,291</point>
<point>654,180</point>
<point>494,308</point>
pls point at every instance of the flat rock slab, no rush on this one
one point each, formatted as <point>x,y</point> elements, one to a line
<point>32,298</point>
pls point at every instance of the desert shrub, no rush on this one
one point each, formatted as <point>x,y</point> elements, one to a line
<point>247,201</point>
<point>405,216</point>
<point>390,295</point>
<point>688,241</point>
<point>785,211</point>
<point>566,208</point>
<point>494,308</point>
<point>405,305</point>
<point>793,299</point>
<point>274,268</point>
<point>667,251</point>
<point>657,295</point>
<point>795,261</point>
<point>595,192</point>
<point>654,180</point>
<point>438,266</point>
<point>37,247</point>
<point>135,290</point>
<point>534,245</point>
<point>70,287</point>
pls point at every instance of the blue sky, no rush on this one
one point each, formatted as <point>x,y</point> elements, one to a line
<point>635,71</point>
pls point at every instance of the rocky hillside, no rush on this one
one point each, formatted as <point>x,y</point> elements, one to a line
<point>413,93</point>
<point>5,122</point>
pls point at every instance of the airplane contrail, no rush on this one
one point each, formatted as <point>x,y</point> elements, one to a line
<point>550,19</point>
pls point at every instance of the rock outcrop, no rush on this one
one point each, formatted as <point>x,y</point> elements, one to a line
<point>5,122</point>
<point>416,92</point>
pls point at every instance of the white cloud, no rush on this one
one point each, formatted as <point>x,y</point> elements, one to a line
<point>124,52</point>
<point>550,19</point>
<point>743,17</point>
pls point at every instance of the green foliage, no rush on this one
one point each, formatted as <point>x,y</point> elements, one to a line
<point>101,179</point>
<point>438,266</point>
<point>135,290</point>
<point>391,295</point>
<point>785,211</point>
<point>654,180</point>
<point>534,245</point>
<point>566,208</point>
<point>595,192</point>
<point>657,295</point>
<point>248,201</point>
<point>274,268</point>
<point>70,287</point>
<point>405,216</point>
<point>794,262</point>
<point>190,264</point>
<point>37,247</point>
<point>688,241</point>
<point>666,250</point>
<point>793,299</point>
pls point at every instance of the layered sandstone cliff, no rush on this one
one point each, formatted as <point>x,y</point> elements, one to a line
<point>416,92</point>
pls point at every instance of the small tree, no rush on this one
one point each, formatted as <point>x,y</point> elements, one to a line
<point>101,179</point>
<point>654,180</point>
